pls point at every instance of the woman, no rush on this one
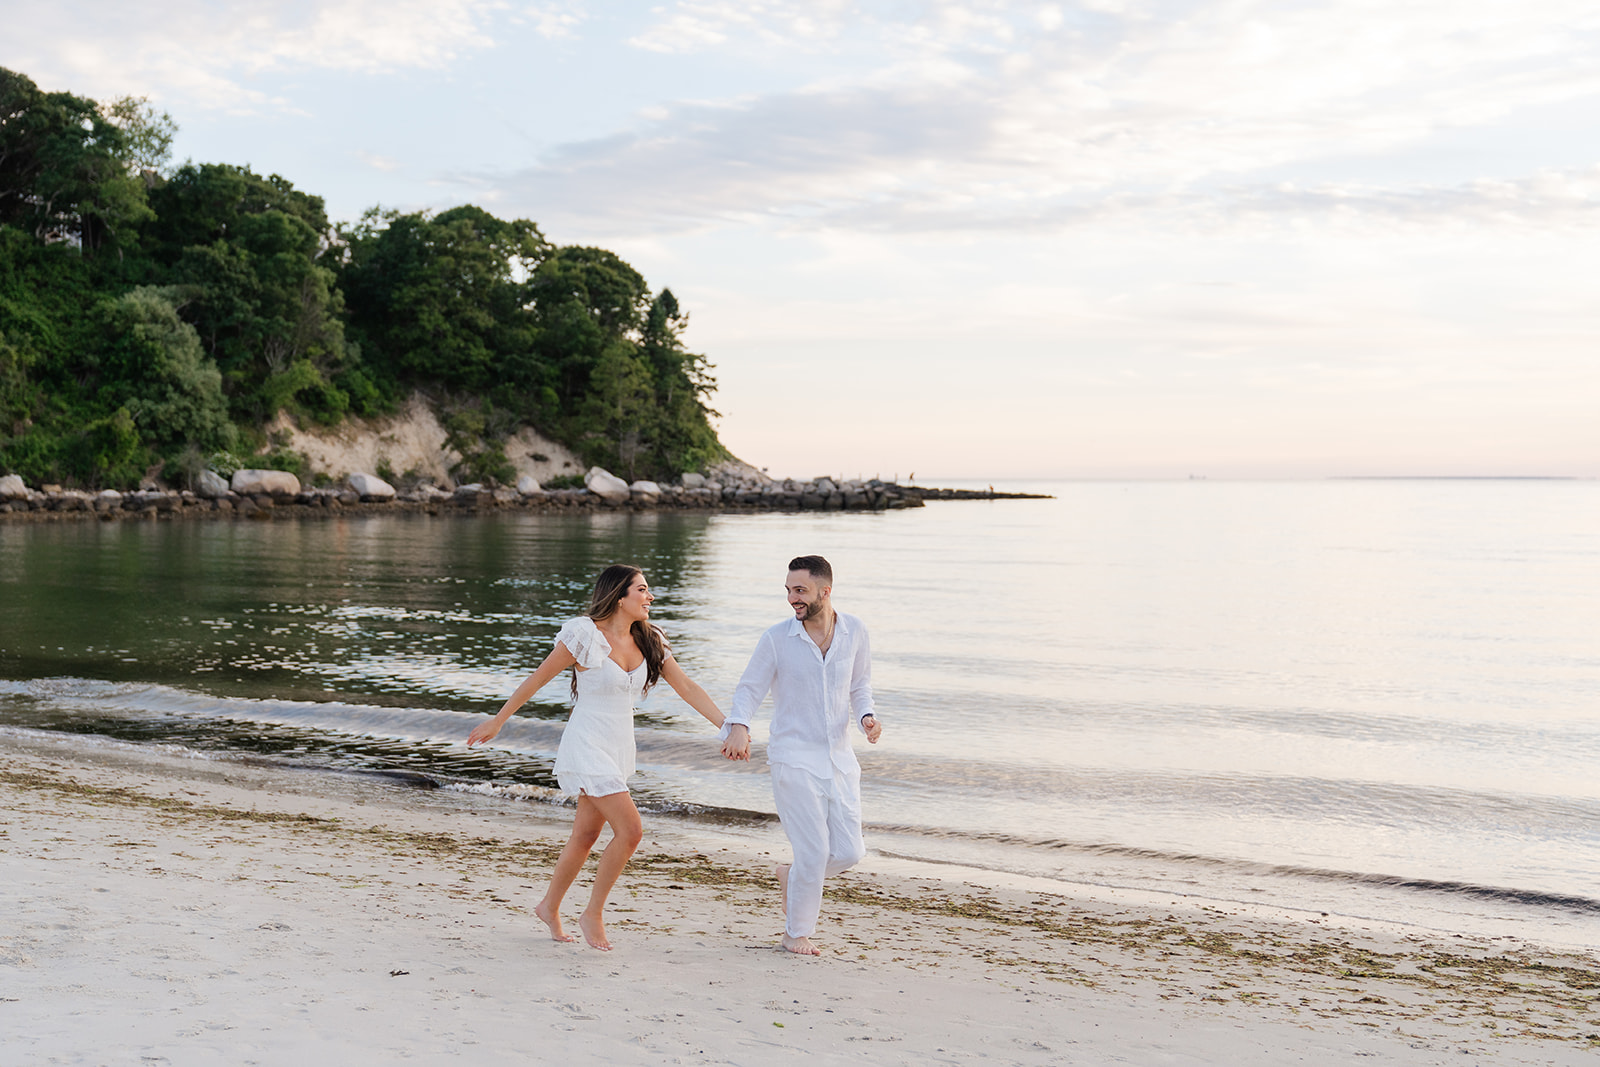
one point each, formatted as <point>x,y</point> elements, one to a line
<point>618,655</point>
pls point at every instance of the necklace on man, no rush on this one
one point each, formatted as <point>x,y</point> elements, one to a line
<point>827,638</point>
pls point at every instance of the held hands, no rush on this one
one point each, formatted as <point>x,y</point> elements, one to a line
<point>737,746</point>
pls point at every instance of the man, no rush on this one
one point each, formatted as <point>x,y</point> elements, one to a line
<point>818,667</point>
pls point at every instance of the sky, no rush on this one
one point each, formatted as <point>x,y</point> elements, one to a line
<point>984,240</point>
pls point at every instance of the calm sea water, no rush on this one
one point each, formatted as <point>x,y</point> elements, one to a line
<point>1371,698</point>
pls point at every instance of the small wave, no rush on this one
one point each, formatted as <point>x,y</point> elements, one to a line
<point>1535,898</point>
<point>127,699</point>
<point>102,741</point>
<point>70,688</point>
<point>1497,894</point>
<point>510,790</point>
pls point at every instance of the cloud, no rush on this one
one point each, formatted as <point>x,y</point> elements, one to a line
<point>388,164</point>
<point>1548,200</point>
<point>901,28</point>
<point>205,52</point>
<point>783,155</point>
<point>700,25</point>
<point>935,115</point>
<point>554,21</point>
<point>963,122</point>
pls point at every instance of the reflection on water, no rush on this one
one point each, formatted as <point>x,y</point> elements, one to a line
<point>406,611</point>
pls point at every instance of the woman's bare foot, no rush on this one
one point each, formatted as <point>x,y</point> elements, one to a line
<point>552,919</point>
<point>594,931</point>
<point>800,946</point>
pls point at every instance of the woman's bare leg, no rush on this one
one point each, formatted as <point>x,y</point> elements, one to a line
<point>585,832</point>
<point>626,833</point>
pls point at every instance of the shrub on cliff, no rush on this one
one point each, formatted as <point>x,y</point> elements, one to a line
<point>153,366</point>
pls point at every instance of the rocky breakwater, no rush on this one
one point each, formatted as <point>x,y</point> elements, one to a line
<point>757,490</point>
<point>250,492</point>
<point>266,494</point>
<point>738,489</point>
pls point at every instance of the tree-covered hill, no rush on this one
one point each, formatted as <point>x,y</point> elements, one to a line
<point>152,316</point>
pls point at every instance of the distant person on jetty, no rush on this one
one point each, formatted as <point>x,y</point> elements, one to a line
<point>618,654</point>
<point>818,667</point>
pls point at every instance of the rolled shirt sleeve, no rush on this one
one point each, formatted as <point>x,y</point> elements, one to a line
<point>861,679</point>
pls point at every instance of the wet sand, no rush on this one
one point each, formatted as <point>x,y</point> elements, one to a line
<point>161,909</point>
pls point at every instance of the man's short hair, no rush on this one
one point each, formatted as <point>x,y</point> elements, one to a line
<point>816,565</point>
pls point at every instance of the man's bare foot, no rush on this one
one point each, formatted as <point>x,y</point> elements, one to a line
<point>782,871</point>
<point>800,946</point>
<point>594,931</point>
<point>552,919</point>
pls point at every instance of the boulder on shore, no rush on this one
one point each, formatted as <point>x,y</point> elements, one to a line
<point>691,480</point>
<point>649,489</point>
<point>12,487</point>
<point>602,483</point>
<point>211,485</point>
<point>528,485</point>
<point>273,483</point>
<point>371,487</point>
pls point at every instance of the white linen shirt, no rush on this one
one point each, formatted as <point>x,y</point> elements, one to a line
<point>813,696</point>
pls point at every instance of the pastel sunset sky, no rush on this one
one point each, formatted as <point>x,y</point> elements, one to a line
<point>1115,238</point>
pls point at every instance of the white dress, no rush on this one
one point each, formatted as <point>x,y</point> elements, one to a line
<point>596,751</point>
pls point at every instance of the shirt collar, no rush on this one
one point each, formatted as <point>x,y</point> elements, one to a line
<point>798,628</point>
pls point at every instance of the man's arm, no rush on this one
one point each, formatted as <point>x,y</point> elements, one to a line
<point>754,684</point>
<point>861,689</point>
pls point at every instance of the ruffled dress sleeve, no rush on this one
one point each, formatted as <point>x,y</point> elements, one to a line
<point>585,641</point>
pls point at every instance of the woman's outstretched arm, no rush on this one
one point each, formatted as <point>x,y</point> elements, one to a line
<point>557,661</point>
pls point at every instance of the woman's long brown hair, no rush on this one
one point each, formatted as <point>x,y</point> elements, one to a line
<point>609,588</point>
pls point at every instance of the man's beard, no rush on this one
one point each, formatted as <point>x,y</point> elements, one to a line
<point>813,609</point>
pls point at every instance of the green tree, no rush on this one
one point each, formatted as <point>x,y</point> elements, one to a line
<point>17,391</point>
<point>155,369</point>
<point>248,252</point>
<point>147,134</point>
<point>439,298</point>
<point>66,166</point>
<point>683,385</point>
<point>617,415</point>
<point>585,300</point>
<point>47,296</point>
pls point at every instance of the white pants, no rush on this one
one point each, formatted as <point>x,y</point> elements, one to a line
<point>823,820</point>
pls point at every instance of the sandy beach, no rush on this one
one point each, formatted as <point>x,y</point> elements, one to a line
<point>166,909</point>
